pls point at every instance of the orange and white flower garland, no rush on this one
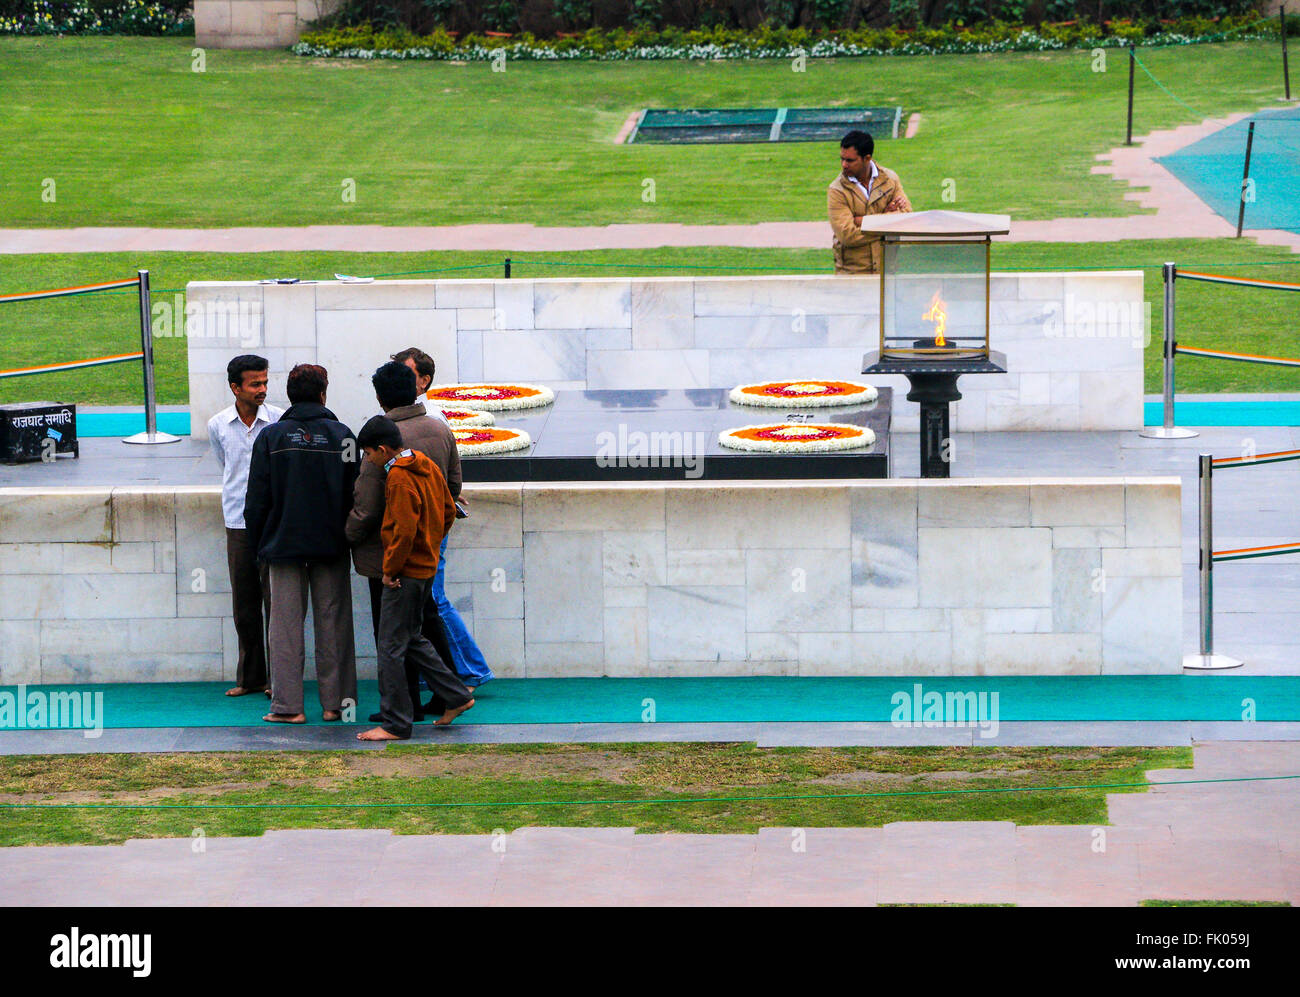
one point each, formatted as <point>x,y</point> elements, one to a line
<point>492,397</point>
<point>460,418</point>
<point>799,437</point>
<point>803,394</point>
<point>478,441</point>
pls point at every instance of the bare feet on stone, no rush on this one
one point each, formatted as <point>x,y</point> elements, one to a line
<point>239,690</point>
<point>452,713</point>
<point>378,734</point>
<point>285,718</point>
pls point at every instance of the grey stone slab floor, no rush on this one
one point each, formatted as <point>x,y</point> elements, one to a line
<point>1207,841</point>
<point>1099,733</point>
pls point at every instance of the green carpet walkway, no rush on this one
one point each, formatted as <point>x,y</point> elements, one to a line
<point>709,700</point>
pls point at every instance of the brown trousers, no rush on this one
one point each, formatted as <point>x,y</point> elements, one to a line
<point>250,599</point>
<point>330,586</point>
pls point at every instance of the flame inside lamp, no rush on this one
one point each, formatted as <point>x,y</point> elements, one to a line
<point>939,316</point>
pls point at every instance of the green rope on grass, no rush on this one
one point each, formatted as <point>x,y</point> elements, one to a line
<point>589,803</point>
<point>658,266</point>
<point>515,261</point>
<point>468,266</point>
<point>1169,93</point>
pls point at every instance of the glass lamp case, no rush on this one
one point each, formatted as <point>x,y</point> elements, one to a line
<point>934,282</point>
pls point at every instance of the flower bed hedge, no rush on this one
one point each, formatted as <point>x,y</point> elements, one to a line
<point>95,17</point>
<point>366,42</point>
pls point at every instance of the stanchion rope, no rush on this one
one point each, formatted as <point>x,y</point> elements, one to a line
<point>1216,278</point>
<point>51,368</point>
<point>1265,458</point>
<point>64,292</point>
<point>1245,553</point>
<point>1198,351</point>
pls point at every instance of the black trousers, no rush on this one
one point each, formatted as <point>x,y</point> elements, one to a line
<point>250,598</point>
<point>433,631</point>
<point>403,647</point>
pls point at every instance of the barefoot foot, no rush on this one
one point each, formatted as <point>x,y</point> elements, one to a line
<point>285,718</point>
<point>378,734</point>
<point>452,713</point>
<point>239,690</point>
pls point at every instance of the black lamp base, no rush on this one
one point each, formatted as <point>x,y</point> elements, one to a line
<point>933,383</point>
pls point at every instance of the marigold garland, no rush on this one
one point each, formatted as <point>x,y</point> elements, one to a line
<point>807,393</point>
<point>797,437</point>
<point>497,397</point>
<point>461,418</point>
<point>477,441</point>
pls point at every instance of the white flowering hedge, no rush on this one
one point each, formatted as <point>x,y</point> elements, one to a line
<point>125,17</point>
<point>620,45</point>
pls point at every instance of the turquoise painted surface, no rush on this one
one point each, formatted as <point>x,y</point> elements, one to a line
<point>716,700</point>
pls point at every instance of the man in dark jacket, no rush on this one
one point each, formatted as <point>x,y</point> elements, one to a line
<point>300,484</point>
<point>395,390</point>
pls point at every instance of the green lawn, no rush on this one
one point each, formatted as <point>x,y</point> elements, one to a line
<point>95,325</point>
<point>132,136</point>
<point>708,788</point>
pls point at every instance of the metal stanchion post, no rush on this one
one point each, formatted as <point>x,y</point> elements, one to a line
<point>1245,180</point>
<point>1207,660</point>
<point>1167,430</point>
<point>1286,69</point>
<point>150,434</point>
<point>1132,67</point>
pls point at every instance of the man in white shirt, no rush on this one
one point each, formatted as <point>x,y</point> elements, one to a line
<point>231,433</point>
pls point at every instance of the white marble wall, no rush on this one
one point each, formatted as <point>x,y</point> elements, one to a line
<point>1073,341</point>
<point>920,577</point>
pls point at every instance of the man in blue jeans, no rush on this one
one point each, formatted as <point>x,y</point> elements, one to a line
<point>467,658</point>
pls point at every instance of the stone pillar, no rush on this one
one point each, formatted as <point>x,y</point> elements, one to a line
<point>255,23</point>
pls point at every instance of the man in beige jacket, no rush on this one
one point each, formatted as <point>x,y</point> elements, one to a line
<point>864,187</point>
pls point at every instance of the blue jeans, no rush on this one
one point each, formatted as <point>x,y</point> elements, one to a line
<point>469,662</point>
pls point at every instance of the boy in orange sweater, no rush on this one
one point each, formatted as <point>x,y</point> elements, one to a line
<point>418,513</point>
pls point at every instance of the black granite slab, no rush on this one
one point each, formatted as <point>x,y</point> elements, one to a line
<point>671,435</point>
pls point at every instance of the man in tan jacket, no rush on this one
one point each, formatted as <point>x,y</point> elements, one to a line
<point>864,187</point>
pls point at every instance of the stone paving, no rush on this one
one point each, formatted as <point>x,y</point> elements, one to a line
<point>1224,841</point>
<point>1093,733</point>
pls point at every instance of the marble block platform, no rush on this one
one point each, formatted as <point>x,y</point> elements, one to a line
<point>1011,576</point>
<point>1073,341</point>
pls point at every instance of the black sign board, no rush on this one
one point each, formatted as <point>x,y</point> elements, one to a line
<point>37,431</point>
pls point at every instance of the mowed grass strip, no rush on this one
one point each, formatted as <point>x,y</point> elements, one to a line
<point>710,788</point>
<point>1246,320</point>
<point>131,134</point>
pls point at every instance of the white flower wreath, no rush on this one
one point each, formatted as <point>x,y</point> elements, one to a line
<point>475,418</point>
<point>479,396</point>
<point>809,395</point>
<point>518,441</point>
<point>861,437</point>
